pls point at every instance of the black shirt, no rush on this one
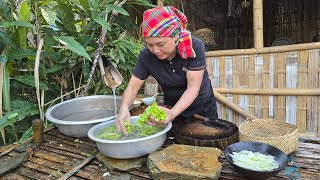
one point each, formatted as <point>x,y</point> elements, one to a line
<point>171,75</point>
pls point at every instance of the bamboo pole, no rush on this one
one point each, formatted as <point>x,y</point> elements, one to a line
<point>2,132</point>
<point>275,49</point>
<point>269,91</point>
<point>233,106</point>
<point>258,23</point>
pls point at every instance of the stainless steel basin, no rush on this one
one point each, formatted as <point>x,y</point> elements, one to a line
<point>126,149</point>
<point>76,116</point>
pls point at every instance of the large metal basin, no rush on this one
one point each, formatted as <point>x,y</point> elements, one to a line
<point>76,116</point>
<point>126,149</point>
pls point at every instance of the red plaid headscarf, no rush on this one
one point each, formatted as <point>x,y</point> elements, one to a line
<point>167,22</point>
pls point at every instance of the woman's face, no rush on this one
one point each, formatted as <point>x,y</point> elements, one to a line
<point>162,47</point>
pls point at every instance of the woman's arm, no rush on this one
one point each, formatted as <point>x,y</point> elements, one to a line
<point>194,80</point>
<point>127,99</point>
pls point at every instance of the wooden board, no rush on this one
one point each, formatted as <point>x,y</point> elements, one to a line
<point>59,153</point>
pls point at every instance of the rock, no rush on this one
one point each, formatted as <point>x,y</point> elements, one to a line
<point>185,162</point>
<point>120,177</point>
<point>13,162</point>
<point>124,165</point>
<point>24,147</point>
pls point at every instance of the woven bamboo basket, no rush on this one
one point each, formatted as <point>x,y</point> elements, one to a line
<point>206,36</point>
<point>282,135</point>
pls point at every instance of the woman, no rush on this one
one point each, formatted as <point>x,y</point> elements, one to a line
<point>177,61</point>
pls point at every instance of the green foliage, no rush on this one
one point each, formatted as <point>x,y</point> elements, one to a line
<point>26,135</point>
<point>29,80</point>
<point>70,29</point>
<point>49,15</point>
<point>18,115</point>
<point>24,15</point>
<point>73,45</point>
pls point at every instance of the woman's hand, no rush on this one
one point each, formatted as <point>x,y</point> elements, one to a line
<point>119,123</point>
<point>170,117</point>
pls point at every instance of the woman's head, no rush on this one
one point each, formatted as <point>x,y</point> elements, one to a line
<point>167,24</point>
<point>162,47</point>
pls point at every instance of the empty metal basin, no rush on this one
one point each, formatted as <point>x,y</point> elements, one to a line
<point>76,116</point>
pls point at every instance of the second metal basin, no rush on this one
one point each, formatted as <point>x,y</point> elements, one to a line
<point>76,116</point>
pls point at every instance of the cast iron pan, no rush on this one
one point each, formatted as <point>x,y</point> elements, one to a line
<point>279,155</point>
<point>202,131</point>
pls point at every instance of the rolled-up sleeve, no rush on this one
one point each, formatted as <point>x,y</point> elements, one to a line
<point>199,62</point>
<point>140,70</point>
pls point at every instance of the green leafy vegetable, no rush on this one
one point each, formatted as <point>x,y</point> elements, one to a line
<point>140,129</point>
<point>149,130</point>
<point>129,127</point>
<point>153,110</point>
<point>110,132</point>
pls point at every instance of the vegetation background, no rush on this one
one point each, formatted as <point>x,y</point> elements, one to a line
<point>49,50</point>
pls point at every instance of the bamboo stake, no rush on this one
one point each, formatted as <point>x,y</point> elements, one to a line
<point>233,106</point>
<point>243,66</point>
<point>258,23</point>
<point>302,100</point>
<point>215,74</point>
<point>271,83</point>
<point>291,83</point>
<point>269,91</point>
<point>281,77</point>
<point>36,77</point>
<point>251,83</point>
<point>313,81</point>
<point>77,168</point>
<point>236,83</point>
<point>222,80</point>
<point>265,83</point>
<point>275,49</point>
<point>258,77</point>
<point>2,66</point>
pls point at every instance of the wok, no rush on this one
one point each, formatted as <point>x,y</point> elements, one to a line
<point>280,157</point>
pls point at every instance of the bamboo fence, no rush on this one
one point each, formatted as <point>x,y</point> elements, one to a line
<point>275,82</point>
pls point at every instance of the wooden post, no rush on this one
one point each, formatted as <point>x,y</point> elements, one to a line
<point>37,128</point>
<point>151,86</point>
<point>258,23</point>
<point>160,3</point>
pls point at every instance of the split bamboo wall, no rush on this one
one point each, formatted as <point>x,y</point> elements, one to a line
<point>278,82</point>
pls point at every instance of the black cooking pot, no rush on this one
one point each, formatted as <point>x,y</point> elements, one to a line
<point>280,157</point>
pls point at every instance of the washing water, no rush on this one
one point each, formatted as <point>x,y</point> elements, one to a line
<point>87,115</point>
<point>114,101</point>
